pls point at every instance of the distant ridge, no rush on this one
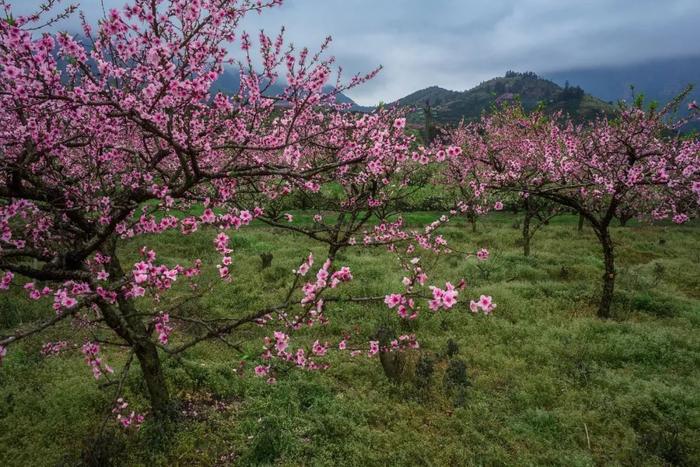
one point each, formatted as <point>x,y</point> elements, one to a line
<point>450,107</point>
<point>659,80</point>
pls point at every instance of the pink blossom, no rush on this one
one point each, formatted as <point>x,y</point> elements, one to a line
<point>6,280</point>
<point>319,349</point>
<point>281,341</point>
<point>208,217</point>
<point>224,272</point>
<point>485,303</point>
<point>393,300</point>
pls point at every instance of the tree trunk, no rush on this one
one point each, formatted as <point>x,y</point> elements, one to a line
<point>124,319</point>
<point>147,354</point>
<point>126,325</point>
<point>332,251</point>
<point>609,275</point>
<point>526,236</point>
<point>580,222</point>
<point>472,220</point>
<point>526,231</point>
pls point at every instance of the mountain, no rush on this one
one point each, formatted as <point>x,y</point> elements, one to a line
<point>659,80</point>
<point>449,107</point>
<point>435,95</point>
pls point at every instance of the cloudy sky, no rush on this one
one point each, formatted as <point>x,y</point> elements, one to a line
<point>457,44</point>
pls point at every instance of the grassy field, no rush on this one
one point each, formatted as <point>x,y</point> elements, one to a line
<point>548,382</point>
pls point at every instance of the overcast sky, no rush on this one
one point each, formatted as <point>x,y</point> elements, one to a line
<point>457,44</point>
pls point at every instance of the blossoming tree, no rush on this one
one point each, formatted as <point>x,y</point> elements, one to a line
<point>104,139</point>
<point>117,137</point>
<point>632,163</point>
<point>497,138</point>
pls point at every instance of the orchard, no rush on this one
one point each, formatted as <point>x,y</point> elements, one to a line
<point>136,198</point>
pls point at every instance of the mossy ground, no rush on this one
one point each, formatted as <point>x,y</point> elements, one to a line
<point>549,383</point>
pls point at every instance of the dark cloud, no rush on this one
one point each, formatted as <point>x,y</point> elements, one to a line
<point>456,44</point>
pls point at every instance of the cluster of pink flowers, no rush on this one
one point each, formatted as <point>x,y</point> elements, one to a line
<point>221,245</point>
<point>91,351</point>
<point>483,254</point>
<point>162,328</point>
<point>443,298</point>
<point>51,349</point>
<point>485,303</point>
<point>125,419</point>
<point>277,346</point>
<point>305,266</point>
<point>66,297</point>
<point>6,280</point>
<point>158,277</point>
<point>34,292</point>
<point>405,307</point>
<point>63,301</point>
<point>312,290</point>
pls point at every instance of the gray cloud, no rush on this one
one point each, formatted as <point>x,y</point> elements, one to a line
<point>456,44</point>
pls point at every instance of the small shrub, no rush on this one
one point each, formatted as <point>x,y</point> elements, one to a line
<point>451,348</point>
<point>455,382</point>
<point>564,273</point>
<point>266,259</point>
<point>423,376</point>
<point>395,364</point>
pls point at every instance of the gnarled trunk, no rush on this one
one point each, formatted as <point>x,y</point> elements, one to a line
<point>147,355</point>
<point>125,320</point>
<point>580,222</point>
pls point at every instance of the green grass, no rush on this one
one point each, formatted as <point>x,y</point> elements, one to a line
<point>549,383</point>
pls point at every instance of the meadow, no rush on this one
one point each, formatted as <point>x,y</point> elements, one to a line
<point>541,381</point>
